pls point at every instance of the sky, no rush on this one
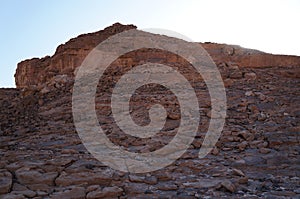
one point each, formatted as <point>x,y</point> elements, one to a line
<point>34,28</point>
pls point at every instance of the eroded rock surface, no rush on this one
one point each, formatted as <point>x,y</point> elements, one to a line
<point>257,155</point>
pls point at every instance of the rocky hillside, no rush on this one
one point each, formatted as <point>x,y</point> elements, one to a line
<point>257,155</point>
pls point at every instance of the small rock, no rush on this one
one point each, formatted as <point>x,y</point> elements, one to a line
<point>42,193</point>
<point>92,188</point>
<point>100,178</point>
<point>264,150</point>
<point>235,72</point>
<point>228,82</point>
<point>135,178</point>
<point>12,196</point>
<point>164,176</point>
<point>247,135</point>
<point>262,116</point>
<point>215,151</point>
<point>167,187</point>
<point>106,192</point>
<point>74,193</point>
<point>242,145</point>
<point>21,189</point>
<point>203,183</point>
<point>249,93</point>
<point>151,180</point>
<point>262,97</point>
<point>243,180</point>
<point>238,172</point>
<point>68,151</point>
<point>174,116</point>
<point>27,193</point>
<point>28,176</point>
<point>297,191</point>
<point>228,186</point>
<point>250,76</point>
<point>40,187</point>
<point>5,181</point>
<point>45,90</point>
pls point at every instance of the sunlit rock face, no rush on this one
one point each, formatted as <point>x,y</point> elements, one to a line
<point>69,56</point>
<point>66,59</point>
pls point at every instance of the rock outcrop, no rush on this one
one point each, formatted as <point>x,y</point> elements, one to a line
<point>37,71</point>
<point>66,59</point>
<point>244,57</point>
<point>257,155</point>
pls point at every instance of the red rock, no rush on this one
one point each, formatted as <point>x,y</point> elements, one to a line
<point>67,57</point>
<point>250,76</point>
<point>35,72</point>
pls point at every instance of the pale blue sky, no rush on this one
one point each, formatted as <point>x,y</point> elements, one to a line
<point>34,28</point>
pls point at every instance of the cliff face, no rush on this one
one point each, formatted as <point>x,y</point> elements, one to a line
<point>68,56</point>
<point>244,57</point>
<point>256,156</point>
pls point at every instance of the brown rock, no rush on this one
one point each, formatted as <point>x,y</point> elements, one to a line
<point>229,186</point>
<point>151,180</point>
<point>174,116</point>
<point>228,82</point>
<point>167,186</point>
<point>247,135</point>
<point>106,192</point>
<point>250,76</point>
<point>37,130</point>
<point>27,193</point>
<point>249,93</point>
<point>73,193</point>
<point>13,196</point>
<point>21,189</point>
<point>236,74</point>
<point>66,58</point>
<point>100,178</point>
<point>92,188</point>
<point>28,176</point>
<point>243,180</point>
<point>5,181</point>
<point>264,150</point>
<point>215,151</point>
<point>135,178</point>
<point>243,145</point>
<point>203,183</point>
<point>238,172</point>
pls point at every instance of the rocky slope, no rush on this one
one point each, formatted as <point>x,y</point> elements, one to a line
<point>257,155</point>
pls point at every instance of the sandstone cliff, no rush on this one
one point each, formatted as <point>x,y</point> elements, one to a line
<point>68,56</point>
<point>256,156</point>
